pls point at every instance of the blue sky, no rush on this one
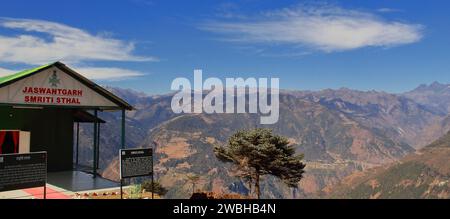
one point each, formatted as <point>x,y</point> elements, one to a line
<point>383,45</point>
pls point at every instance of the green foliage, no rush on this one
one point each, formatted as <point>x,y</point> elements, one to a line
<point>154,187</point>
<point>259,152</point>
<point>136,191</point>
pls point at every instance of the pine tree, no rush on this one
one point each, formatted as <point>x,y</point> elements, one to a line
<point>259,152</point>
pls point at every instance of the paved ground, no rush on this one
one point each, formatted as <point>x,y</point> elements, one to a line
<point>53,192</point>
<point>64,185</point>
<point>79,181</point>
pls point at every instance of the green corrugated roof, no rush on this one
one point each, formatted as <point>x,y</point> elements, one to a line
<point>22,74</point>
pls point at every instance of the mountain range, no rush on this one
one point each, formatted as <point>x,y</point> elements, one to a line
<point>341,132</point>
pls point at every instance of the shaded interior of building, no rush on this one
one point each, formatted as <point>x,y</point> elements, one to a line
<point>54,130</point>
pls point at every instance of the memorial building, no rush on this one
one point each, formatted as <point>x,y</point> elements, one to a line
<point>41,108</point>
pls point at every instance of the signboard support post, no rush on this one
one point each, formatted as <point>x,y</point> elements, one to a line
<point>153,183</point>
<point>121,188</point>
<point>153,188</point>
<point>45,191</point>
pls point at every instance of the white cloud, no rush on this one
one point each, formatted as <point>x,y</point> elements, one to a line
<point>111,74</point>
<point>94,73</point>
<point>320,27</point>
<point>46,41</point>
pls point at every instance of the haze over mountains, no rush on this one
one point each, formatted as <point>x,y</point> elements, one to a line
<point>340,132</point>
<point>425,174</point>
<point>435,95</point>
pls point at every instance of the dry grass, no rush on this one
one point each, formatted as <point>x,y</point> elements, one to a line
<point>212,195</point>
<point>112,195</point>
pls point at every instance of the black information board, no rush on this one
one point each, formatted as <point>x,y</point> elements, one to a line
<point>20,171</point>
<point>136,163</point>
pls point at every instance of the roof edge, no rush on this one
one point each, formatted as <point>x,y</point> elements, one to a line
<point>9,79</point>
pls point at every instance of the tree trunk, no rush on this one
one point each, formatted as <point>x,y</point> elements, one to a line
<point>258,192</point>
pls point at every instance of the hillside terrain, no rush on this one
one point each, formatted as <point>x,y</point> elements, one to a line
<point>425,174</point>
<point>340,132</point>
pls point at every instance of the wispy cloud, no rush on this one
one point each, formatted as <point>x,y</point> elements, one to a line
<point>110,74</point>
<point>43,42</point>
<point>94,73</point>
<point>388,10</point>
<point>65,43</point>
<point>318,27</point>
